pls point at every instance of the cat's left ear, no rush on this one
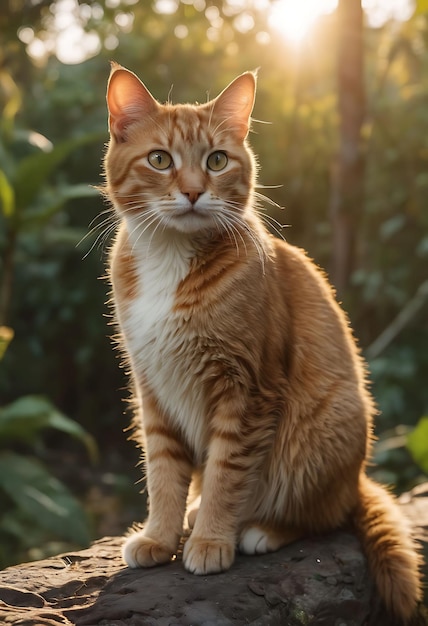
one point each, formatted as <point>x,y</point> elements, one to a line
<point>235,104</point>
<point>128,100</point>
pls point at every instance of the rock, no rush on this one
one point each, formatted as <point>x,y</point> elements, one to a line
<point>317,581</point>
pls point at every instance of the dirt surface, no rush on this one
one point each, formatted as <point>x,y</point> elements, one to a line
<point>317,581</point>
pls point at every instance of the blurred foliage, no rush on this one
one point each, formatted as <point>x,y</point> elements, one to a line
<point>417,443</point>
<point>54,233</point>
<point>6,336</point>
<point>38,512</point>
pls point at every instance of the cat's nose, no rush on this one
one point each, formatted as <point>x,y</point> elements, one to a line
<point>193,195</point>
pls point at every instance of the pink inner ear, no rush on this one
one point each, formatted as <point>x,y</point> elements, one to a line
<point>128,100</point>
<point>236,103</point>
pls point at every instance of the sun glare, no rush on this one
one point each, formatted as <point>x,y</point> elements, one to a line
<point>69,38</point>
<point>294,19</point>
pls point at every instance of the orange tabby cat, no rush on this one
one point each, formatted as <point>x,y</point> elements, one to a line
<point>246,375</point>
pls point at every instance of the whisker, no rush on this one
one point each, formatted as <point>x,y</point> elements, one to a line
<point>276,226</point>
<point>139,232</point>
<point>105,212</point>
<point>261,186</point>
<point>142,225</point>
<point>268,217</point>
<point>239,223</point>
<point>230,229</point>
<point>232,220</point>
<point>106,226</point>
<point>263,198</point>
<point>101,238</point>
<point>94,229</point>
<point>151,238</point>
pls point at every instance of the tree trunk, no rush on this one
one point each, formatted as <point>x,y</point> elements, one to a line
<point>346,196</point>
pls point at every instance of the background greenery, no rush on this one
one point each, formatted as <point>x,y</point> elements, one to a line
<point>54,233</point>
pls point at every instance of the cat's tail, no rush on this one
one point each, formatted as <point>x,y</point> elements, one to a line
<point>390,550</point>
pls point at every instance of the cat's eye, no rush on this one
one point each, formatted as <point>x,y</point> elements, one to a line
<point>160,159</point>
<point>217,161</point>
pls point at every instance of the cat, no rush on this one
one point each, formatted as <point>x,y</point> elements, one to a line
<point>251,393</point>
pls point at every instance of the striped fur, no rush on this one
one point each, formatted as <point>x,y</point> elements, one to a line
<point>251,392</point>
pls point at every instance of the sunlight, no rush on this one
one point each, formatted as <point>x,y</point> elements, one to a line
<point>294,19</point>
<point>73,44</point>
<point>69,37</point>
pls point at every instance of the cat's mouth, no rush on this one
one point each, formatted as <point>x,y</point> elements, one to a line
<point>191,210</point>
<point>190,219</point>
<point>188,211</point>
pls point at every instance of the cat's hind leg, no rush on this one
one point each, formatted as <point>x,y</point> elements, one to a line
<point>260,539</point>
<point>192,512</point>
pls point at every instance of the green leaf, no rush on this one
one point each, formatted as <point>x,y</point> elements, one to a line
<point>71,192</point>
<point>16,524</point>
<point>35,217</point>
<point>42,497</point>
<point>392,226</point>
<point>61,422</point>
<point>6,336</point>
<point>7,196</point>
<point>66,236</point>
<point>417,443</point>
<point>34,170</point>
<point>24,418</point>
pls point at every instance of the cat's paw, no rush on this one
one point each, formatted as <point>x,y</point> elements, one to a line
<point>254,540</point>
<point>141,551</point>
<point>208,556</point>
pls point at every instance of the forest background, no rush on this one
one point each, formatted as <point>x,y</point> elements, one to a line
<point>67,471</point>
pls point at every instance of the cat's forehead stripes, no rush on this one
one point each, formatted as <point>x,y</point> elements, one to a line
<point>188,124</point>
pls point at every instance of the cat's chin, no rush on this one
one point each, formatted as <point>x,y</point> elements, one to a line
<point>191,222</point>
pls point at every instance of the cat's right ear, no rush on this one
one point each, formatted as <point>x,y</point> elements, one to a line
<point>128,101</point>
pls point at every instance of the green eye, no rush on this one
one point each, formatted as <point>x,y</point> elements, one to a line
<point>160,159</point>
<point>217,161</point>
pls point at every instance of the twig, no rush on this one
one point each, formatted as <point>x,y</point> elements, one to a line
<point>401,321</point>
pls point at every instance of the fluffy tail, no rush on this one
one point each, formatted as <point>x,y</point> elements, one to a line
<point>389,548</point>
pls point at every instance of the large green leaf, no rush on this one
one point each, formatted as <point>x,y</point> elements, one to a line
<point>35,217</point>
<point>34,170</point>
<point>15,523</point>
<point>7,196</point>
<point>417,443</point>
<point>71,192</point>
<point>24,418</point>
<point>42,497</point>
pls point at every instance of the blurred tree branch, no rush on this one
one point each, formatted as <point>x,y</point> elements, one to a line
<point>346,194</point>
<point>404,317</point>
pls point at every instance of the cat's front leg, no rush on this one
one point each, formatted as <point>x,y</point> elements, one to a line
<point>211,546</point>
<point>168,471</point>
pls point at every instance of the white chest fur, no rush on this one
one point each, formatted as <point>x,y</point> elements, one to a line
<point>157,339</point>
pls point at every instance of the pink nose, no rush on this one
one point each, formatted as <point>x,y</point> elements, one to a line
<point>193,195</point>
